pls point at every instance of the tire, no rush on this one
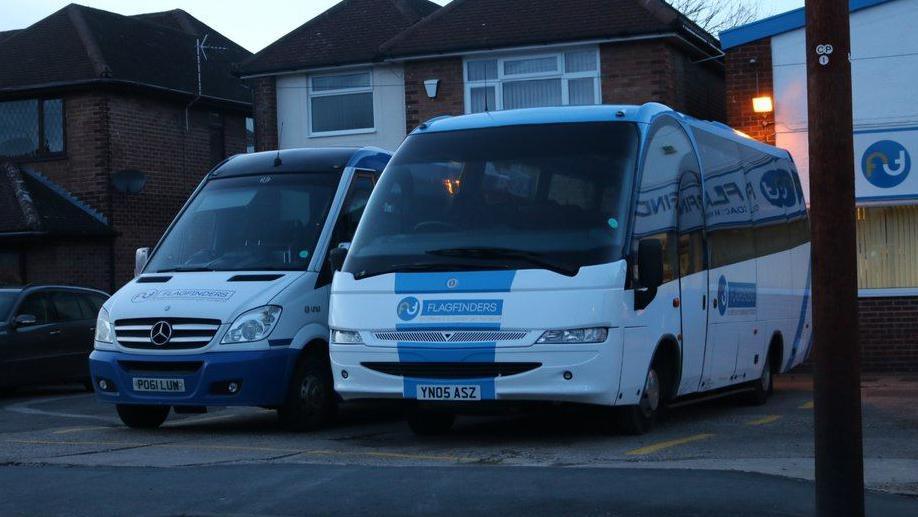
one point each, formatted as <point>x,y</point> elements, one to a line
<point>311,402</point>
<point>430,423</point>
<point>640,418</point>
<point>763,387</point>
<point>142,417</point>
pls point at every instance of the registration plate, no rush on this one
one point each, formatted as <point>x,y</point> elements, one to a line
<point>448,392</point>
<point>159,385</point>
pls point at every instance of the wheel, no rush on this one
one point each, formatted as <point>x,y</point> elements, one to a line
<point>311,401</point>
<point>142,417</point>
<point>640,418</point>
<point>763,387</point>
<point>430,423</point>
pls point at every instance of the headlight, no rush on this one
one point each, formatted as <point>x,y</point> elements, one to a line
<point>590,335</point>
<point>105,332</point>
<point>253,325</point>
<point>346,337</point>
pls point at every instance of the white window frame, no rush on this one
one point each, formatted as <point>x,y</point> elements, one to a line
<point>311,94</point>
<point>502,78</point>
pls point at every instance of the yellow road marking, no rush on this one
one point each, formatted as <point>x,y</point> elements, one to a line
<point>79,429</point>
<point>249,448</point>
<point>667,444</point>
<point>807,405</point>
<point>764,420</point>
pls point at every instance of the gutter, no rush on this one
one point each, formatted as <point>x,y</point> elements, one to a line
<point>120,82</point>
<point>713,52</point>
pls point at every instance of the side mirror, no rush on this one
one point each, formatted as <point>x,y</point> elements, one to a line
<point>140,260</point>
<point>650,271</point>
<point>337,255</point>
<point>25,320</point>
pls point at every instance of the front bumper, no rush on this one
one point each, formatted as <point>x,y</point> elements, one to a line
<point>594,374</point>
<point>263,377</point>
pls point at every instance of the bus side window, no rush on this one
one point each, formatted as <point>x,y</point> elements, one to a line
<point>348,218</point>
<point>669,152</point>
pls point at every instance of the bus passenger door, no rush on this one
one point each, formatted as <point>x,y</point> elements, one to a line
<point>693,280</point>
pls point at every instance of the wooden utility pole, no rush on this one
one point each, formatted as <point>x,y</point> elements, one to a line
<point>837,365</point>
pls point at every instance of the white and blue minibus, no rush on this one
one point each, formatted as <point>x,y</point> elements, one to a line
<point>625,257</point>
<point>231,308</point>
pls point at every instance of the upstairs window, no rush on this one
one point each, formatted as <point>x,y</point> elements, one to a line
<point>32,128</point>
<point>341,104</point>
<point>529,81</point>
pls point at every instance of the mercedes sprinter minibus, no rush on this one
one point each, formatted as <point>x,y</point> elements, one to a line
<point>625,257</point>
<point>231,307</point>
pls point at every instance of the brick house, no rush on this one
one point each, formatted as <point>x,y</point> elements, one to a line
<point>471,56</point>
<point>102,118</point>
<point>767,59</point>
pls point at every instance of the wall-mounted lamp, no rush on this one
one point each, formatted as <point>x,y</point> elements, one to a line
<point>431,86</point>
<point>762,104</point>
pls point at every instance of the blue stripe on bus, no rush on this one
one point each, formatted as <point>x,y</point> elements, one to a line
<point>465,282</point>
<point>800,321</point>
<point>446,353</point>
<point>448,326</point>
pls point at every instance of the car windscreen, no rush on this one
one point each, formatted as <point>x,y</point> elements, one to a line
<point>549,196</point>
<point>264,222</point>
<point>6,304</point>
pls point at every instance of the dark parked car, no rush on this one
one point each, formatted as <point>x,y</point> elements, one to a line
<point>46,334</point>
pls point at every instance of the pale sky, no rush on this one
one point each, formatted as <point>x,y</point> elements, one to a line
<point>251,23</point>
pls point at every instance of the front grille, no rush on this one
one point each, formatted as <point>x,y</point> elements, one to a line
<point>187,333</point>
<point>160,367</point>
<point>451,336</point>
<point>452,370</point>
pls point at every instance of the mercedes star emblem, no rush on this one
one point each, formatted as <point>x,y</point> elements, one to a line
<point>161,333</point>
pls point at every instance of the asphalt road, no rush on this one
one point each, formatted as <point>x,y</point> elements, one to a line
<point>61,453</point>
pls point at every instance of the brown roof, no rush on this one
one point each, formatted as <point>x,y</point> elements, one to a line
<point>488,24</point>
<point>31,204</point>
<point>78,45</point>
<point>349,32</point>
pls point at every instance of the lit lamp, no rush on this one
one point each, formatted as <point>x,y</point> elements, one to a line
<point>762,104</point>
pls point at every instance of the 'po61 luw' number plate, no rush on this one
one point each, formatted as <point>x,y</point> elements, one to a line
<point>159,385</point>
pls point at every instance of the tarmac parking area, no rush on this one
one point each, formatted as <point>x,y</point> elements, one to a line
<point>64,426</point>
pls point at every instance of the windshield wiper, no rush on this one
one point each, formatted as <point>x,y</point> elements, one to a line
<point>418,267</point>
<point>184,269</point>
<point>487,253</point>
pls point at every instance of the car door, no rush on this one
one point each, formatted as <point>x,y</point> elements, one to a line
<point>74,319</point>
<point>32,348</point>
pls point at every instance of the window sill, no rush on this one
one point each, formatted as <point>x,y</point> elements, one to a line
<point>343,132</point>
<point>887,292</point>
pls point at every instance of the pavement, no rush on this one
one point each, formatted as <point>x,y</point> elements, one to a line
<point>62,453</point>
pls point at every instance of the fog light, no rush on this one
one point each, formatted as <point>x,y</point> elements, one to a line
<point>568,376</point>
<point>232,387</point>
<point>344,374</point>
<point>103,384</point>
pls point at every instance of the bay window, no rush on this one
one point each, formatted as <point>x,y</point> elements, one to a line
<point>527,81</point>
<point>32,128</point>
<point>341,103</point>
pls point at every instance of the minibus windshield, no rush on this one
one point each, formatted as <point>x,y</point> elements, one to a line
<point>249,223</point>
<point>548,196</point>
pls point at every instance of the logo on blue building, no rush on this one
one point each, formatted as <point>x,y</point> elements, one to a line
<point>408,308</point>
<point>886,163</point>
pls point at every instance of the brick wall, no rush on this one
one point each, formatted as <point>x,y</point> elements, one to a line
<point>86,264</point>
<point>107,132</point>
<point>888,329</point>
<point>655,71</point>
<point>749,74</point>
<point>265,93</point>
<point>450,98</point>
